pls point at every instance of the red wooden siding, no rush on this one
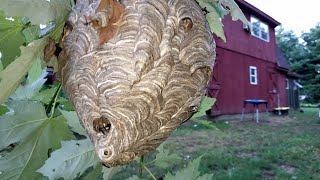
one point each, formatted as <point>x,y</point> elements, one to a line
<point>230,83</point>
<point>241,41</point>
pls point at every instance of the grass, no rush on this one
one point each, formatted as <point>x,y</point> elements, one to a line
<point>277,148</point>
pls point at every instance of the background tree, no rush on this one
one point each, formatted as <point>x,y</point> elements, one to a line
<point>303,55</point>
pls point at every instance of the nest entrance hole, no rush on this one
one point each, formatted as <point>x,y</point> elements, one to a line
<point>102,125</point>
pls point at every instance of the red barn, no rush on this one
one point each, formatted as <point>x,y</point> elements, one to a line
<point>249,65</point>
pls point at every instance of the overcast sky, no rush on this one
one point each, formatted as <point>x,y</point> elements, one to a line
<point>292,14</point>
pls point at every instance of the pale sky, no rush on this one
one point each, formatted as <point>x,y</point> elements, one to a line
<point>294,15</point>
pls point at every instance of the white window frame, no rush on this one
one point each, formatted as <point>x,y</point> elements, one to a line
<point>254,75</point>
<point>287,83</point>
<point>260,29</point>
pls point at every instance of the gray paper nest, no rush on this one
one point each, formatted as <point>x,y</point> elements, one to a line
<point>134,77</point>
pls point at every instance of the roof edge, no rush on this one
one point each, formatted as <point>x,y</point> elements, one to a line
<point>257,12</point>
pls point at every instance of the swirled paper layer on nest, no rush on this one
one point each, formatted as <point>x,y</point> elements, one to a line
<point>134,71</point>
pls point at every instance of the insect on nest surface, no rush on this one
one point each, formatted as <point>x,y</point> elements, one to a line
<point>135,70</point>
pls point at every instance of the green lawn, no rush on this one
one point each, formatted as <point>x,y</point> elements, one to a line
<point>277,148</point>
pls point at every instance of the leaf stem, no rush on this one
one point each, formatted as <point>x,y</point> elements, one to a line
<point>55,99</point>
<point>145,167</point>
<point>150,162</point>
<point>141,166</point>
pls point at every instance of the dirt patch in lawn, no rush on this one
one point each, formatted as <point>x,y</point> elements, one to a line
<point>281,120</point>
<point>267,175</point>
<point>288,169</point>
<point>192,142</point>
<point>247,154</point>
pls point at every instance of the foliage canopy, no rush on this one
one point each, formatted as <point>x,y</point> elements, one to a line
<point>303,56</point>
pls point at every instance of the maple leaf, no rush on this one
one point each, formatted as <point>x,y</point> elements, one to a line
<point>71,160</point>
<point>217,9</point>
<point>35,81</point>
<point>11,76</point>
<point>191,172</point>
<point>11,38</point>
<point>34,135</point>
<point>164,158</point>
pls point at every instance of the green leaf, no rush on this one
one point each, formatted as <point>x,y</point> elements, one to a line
<point>13,127</point>
<point>217,11</point>
<point>65,104</point>
<point>235,11</point>
<point>191,172</point>
<point>73,122</point>
<point>205,104</point>
<point>31,33</point>
<point>11,38</point>
<point>205,177</point>
<point>216,25</point>
<point>169,176</point>
<point>3,109</point>
<point>71,160</point>
<point>39,11</point>
<point>135,177</point>
<point>213,17</point>
<point>35,81</point>
<point>45,96</point>
<point>95,173</point>
<point>164,159</point>
<point>11,76</point>
<point>108,173</point>
<point>36,136</point>
<point>34,72</point>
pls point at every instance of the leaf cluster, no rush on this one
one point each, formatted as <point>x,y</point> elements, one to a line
<point>22,40</point>
<point>215,12</point>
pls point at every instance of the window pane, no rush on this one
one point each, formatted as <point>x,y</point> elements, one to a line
<point>264,27</point>
<point>255,31</point>
<point>253,20</point>
<point>252,72</point>
<point>259,29</point>
<point>264,35</point>
<point>255,26</point>
<point>253,79</point>
<point>264,31</point>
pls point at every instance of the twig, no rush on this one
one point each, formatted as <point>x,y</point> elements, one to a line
<point>55,98</point>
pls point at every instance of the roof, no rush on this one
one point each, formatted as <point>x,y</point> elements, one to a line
<point>315,61</point>
<point>281,60</point>
<point>284,65</point>
<point>294,75</point>
<point>257,12</point>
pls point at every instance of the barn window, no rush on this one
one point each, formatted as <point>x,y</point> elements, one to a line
<point>259,29</point>
<point>253,75</point>
<point>287,83</point>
